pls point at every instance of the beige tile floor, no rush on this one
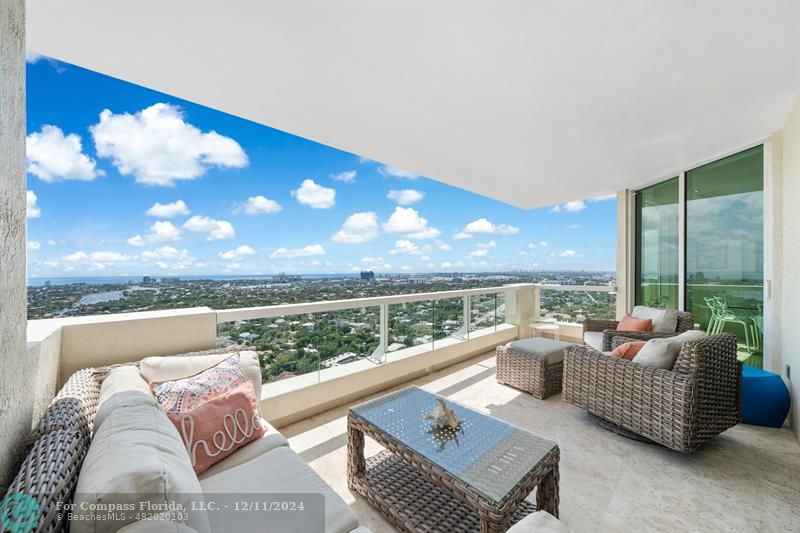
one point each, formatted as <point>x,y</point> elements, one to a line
<point>747,479</point>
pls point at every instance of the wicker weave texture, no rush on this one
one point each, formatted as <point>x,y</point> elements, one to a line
<point>528,373</point>
<point>680,408</point>
<point>416,495</point>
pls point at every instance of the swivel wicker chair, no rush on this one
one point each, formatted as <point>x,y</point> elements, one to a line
<point>680,408</point>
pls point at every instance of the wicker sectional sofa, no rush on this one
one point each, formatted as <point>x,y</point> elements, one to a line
<point>680,408</point>
<point>61,450</point>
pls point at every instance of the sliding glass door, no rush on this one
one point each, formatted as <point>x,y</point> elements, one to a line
<point>721,250</point>
<point>657,258</point>
<point>725,247</point>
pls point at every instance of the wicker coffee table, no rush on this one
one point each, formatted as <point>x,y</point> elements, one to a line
<point>434,480</point>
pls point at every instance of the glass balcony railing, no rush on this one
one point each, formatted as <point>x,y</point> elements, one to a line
<point>309,339</point>
<point>575,303</point>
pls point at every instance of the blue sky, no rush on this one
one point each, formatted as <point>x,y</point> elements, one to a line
<point>123,180</point>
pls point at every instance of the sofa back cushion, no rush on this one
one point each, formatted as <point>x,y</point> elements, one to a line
<point>662,353</point>
<point>136,456</point>
<point>168,368</point>
<point>664,320</point>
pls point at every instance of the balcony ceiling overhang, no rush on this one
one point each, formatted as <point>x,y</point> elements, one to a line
<point>529,103</point>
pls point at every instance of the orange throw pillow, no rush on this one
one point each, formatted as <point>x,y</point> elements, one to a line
<point>628,350</point>
<point>215,429</point>
<point>630,323</point>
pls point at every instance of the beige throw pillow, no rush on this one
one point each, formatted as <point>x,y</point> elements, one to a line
<point>662,353</point>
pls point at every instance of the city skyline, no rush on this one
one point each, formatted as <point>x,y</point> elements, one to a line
<point>126,181</point>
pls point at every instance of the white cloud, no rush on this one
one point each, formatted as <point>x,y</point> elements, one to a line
<point>98,257</point>
<point>569,253</point>
<point>485,226</point>
<point>442,246</point>
<point>237,253</point>
<point>394,172</point>
<point>32,57</point>
<point>522,252</point>
<point>540,244</point>
<point>305,251</point>
<point>570,207</point>
<point>425,258</point>
<point>482,249</point>
<point>574,226</point>
<point>405,196</point>
<point>259,205</point>
<point>52,156</point>
<point>158,147</point>
<point>462,235</point>
<point>170,210</point>
<point>32,210</point>
<point>407,221</point>
<point>446,264</point>
<point>406,247</point>
<point>34,245</point>
<point>160,231</point>
<point>315,195</point>
<point>169,258</point>
<point>374,263</point>
<point>358,228</point>
<point>164,252</point>
<point>345,177</point>
<point>218,230</point>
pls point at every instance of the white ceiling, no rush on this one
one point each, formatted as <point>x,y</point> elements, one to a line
<point>529,103</point>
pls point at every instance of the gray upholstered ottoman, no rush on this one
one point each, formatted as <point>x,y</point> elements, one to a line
<point>534,365</point>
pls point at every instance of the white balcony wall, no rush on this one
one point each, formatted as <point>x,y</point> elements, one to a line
<point>18,371</point>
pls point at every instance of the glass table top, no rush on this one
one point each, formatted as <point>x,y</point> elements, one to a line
<point>486,453</point>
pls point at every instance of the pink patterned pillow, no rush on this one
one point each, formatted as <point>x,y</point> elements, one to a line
<point>187,393</point>
<point>216,428</point>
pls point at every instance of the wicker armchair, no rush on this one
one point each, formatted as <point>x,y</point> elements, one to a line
<point>609,329</point>
<point>681,408</point>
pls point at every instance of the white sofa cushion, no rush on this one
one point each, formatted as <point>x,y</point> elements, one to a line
<point>664,320</point>
<point>135,455</point>
<point>167,368</point>
<point>594,339</point>
<point>269,441</point>
<point>539,522</point>
<point>122,379</point>
<point>123,386</point>
<point>662,353</point>
<point>281,471</point>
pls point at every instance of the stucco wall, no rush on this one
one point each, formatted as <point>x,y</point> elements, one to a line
<point>16,401</point>
<point>789,290</point>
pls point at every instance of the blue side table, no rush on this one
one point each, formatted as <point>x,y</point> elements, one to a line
<point>765,398</point>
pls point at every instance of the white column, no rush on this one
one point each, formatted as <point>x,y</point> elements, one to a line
<point>625,252</point>
<point>17,372</point>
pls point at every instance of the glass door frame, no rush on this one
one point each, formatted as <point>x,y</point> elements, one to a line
<point>767,233</point>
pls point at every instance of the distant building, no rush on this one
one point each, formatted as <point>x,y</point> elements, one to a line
<point>147,280</point>
<point>416,281</point>
<point>247,337</point>
<point>368,275</point>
